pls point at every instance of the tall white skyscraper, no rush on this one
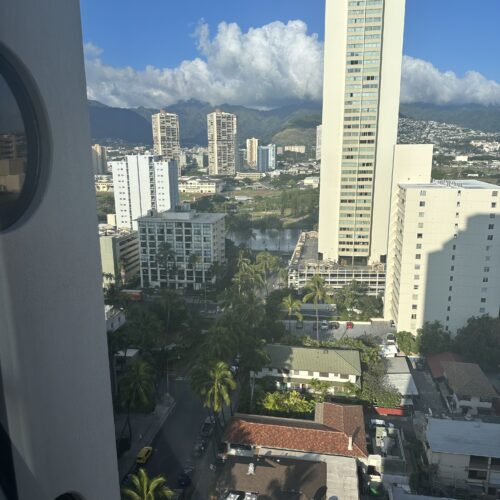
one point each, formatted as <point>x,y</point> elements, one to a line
<point>142,183</point>
<point>222,130</point>
<point>266,158</point>
<point>363,56</point>
<point>166,135</point>
<point>319,130</point>
<point>252,152</point>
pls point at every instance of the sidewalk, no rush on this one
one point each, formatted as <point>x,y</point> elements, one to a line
<point>144,429</point>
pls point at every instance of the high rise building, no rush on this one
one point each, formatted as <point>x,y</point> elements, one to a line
<point>266,158</point>
<point>166,141</point>
<point>142,183</point>
<point>252,152</point>
<point>444,254</point>
<point>319,129</point>
<point>363,55</point>
<point>56,414</point>
<point>99,159</point>
<point>195,241</point>
<point>222,130</point>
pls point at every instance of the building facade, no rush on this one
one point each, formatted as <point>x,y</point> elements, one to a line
<point>119,255</point>
<point>178,248</point>
<point>362,68</point>
<point>319,130</point>
<point>99,159</point>
<point>222,130</point>
<point>266,158</point>
<point>444,254</point>
<point>166,140</point>
<point>103,183</point>
<point>142,183</point>
<point>200,185</point>
<point>252,152</point>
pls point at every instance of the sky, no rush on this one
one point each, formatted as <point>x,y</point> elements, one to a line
<point>269,53</point>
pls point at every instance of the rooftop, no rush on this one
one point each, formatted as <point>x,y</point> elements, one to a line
<point>450,184</point>
<point>180,214</point>
<point>275,478</point>
<point>403,382</point>
<point>400,494</point>
<point>434,362</point>
<point>462,437</point>
<point>467,379</point>
<point>344,361</point>
<point>328,434</point>
<point>397,364</point>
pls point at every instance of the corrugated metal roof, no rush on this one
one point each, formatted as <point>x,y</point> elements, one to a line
<point>461,437</point>
<point>345,362</point>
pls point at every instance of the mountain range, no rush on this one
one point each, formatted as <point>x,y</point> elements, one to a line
<point>292,124</point>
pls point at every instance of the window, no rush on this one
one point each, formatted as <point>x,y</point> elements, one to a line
<point>422,204</point>
<point>449,298</point>
<point>421,214</point>
<point>482,310</point>
<point>485,280</point>
<point>450,288</point>
<point>494,193</point>
<point>22,149</point>
<point>423,193</point>
<point>417,267</point>
<point>419,246</point>
<point>491,226</point>
<point>486,269</point>
<point>414,307</point>
<point>483,299</point>
<point>451,278</point>
<point>418,256</point>
<point>494,204</point>
<point>413,316</point>
<point>324,374</point>
<point>448,308</point>
<point>415,287</point>
<point>416,277</point>
<point>490,237</point>
<point>419,236</point>
<point>492,216</point>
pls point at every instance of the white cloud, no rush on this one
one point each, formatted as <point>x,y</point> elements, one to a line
<point>264,67</point>
<point>423,82</point>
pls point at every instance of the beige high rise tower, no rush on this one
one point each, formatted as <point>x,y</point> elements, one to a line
<point>222,129</point>
<point>362,73</point>
<point>166,135</point>
<point>252,152</point>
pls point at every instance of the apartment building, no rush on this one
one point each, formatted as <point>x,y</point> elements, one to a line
<point>319,130</point>
<point>444,254</point>
<point>103,183</point>
<point>142,183</point>
<point>178,248</point>
<point>166,142</point>
<point>99,159</point>
<point>266,158</point>
<point>222,130</point>
<point>119,254</point>
<point>252,152</point>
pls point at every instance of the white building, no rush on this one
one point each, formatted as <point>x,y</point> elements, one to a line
<point>168,241</point>
<point>295,148</point>
<point>200,185</point>
<point>362,73</point>
<point>465,454</point>
<point>295,367</point>
<point>56,418</point>
<point>319,129</point>
<point>99,159</point>
<point>119,254</point>
<point>103,183</point>
<point>252,152</point>
<point>222,130</point>
<point>142,183</point>
<point>266,158</point>
<point>166,141</point>
<point>444,254</point>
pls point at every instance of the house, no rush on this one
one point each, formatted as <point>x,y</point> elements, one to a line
<point>466,454</point>
<point>471,391</point>
<point>434,362</point>
<point>295,367</point>
<point>399,376</point>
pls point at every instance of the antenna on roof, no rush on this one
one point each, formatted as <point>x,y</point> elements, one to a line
<point>251,469</point>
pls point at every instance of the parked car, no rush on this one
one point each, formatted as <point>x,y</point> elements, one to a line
<point>334,325</point>
<point>143,455</point>
<point>391,339</point>
<point>207,428</point>
<point>392,323</point>
<point>324,325</point>
<point>349,325</point>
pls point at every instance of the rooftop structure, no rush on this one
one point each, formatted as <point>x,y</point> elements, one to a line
<point>467,379</point>
<point>435,362</point>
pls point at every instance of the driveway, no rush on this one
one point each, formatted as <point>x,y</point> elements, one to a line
<point>430,397</point>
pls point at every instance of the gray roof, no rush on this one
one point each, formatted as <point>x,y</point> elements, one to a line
<point>400,494</point>
<point>182,216</point>
<point>397,364</point>
<point>343,361</point>
<point>467,379</point>
<point>403,382</point>
<point>462,437</point>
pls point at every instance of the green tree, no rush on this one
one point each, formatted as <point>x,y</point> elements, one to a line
<point>220,343</point>
<point>145,327</point>
<point>316,293</point>
<point>268,264</point>
<point>286,402</point>
<point>321,390</point>
<point>144,488</point>
<point>432,338</point>
<point>292,307</point>
<point>407,342</point>
<point>165,260</point>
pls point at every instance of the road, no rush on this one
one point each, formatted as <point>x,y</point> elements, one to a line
<point>174,443</point>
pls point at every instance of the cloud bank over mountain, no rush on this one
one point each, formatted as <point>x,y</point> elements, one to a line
<point>267,66</point>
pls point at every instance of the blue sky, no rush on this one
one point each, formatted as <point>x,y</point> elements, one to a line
<point>452,35</point>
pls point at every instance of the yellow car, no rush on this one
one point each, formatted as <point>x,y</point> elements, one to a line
<point>143,455</point>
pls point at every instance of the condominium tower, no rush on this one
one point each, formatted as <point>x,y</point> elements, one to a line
<point>319,132</point>
<point>142,183</point>
<point>166,135</point>
<point>266,158</point>
<point>252,152</point>
<point>362,72</point>
<point>222,129</point>
<point>99,159</point>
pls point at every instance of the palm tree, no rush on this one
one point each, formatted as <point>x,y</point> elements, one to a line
<point>165,259</point>
<point>316,294</point>
<point>268,264</point>
<point>145,327</point>
<point>144,488</point>
<point>293,309</point>
<point>220,343</point>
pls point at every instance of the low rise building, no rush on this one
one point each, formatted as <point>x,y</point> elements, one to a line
<point>253,176</point>
<point>470,390</point>
<point>103,183</point>
<point>309,182</point>
<point>296,367</point>
<point>115,318</point>
<point>295,148</point>
<point>200,185</point>
<point>119,254</point>
<point>465,454</point>
<point>435,363</point>
<point>179,247</point>
<point>398,375</point>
